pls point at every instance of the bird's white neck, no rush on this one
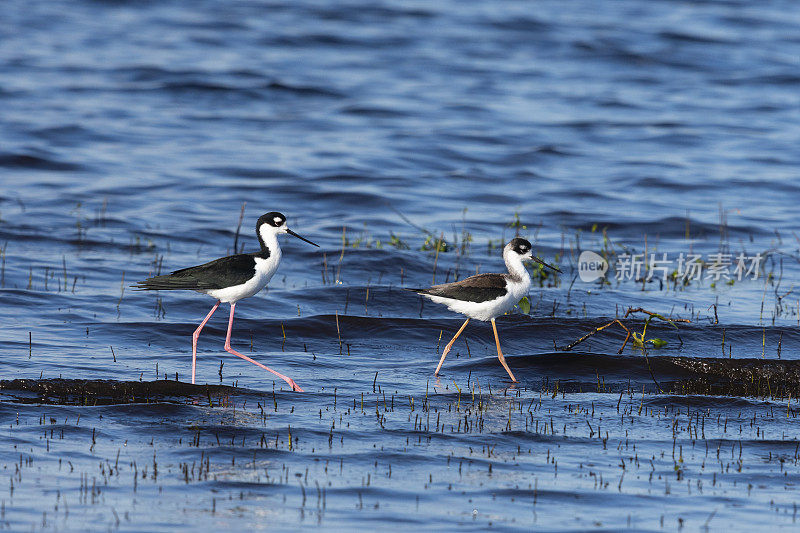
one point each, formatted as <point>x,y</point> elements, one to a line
<point>516,269</point>
<point>269,240</point>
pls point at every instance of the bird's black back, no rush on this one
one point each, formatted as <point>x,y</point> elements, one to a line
<point>217,274</point>
<point>479,288</point>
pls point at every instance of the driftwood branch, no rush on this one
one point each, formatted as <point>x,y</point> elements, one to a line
<point>655,315</point>
<point>638,338</point>
<point>630,311</point>
<point>597,329</point>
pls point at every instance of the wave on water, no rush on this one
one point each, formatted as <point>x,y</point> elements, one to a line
<point>33,162</point>
<point>565,372</point>
<point>109,392</point>
<point>680,375</point>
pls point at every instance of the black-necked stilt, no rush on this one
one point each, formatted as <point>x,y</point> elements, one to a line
<point>487,296</point>
<point>229,279</point>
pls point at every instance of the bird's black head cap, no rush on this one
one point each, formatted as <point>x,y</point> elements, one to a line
<point>521,246</point>
<point>273,218</point>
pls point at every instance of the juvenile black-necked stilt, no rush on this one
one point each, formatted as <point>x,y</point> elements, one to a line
<point>229,279</point>
<point>487,296</point>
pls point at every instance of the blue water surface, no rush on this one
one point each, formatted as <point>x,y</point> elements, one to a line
<point>133,134</point>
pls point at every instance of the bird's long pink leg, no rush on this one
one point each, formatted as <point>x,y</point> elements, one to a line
<point>292,384</point>
<point>500,353</point>
<point>449,345</point>
<point>196,335</point>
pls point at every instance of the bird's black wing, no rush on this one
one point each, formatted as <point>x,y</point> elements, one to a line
<point>480,288</point>
<point>217,274</point>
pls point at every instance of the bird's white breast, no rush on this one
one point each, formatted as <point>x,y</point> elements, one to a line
<point>264,270</point>
<point>491,308</point>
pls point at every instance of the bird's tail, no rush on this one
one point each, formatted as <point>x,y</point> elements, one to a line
<point>418,291</point>
<point>167,282</point>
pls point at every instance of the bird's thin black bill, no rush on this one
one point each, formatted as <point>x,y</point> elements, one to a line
<point>293,234</point>
<point>545,264</point>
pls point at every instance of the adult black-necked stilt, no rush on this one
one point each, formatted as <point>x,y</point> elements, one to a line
<point>229,279</point>
<point>487,296</point>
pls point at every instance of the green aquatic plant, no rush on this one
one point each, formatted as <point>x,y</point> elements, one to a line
<point>517,224</point>
<point>397,242</point>
<point>433,243</point>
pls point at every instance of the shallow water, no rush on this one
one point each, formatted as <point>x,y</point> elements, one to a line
<point>133,133</point>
